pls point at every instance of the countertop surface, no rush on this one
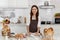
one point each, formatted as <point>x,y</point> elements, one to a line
<point>27,38</point>
<point>21,28</point>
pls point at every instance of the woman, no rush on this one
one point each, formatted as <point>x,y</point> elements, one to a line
<point>33,23</point>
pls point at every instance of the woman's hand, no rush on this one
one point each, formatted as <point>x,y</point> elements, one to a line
<point>37,34</point>
<point>29,33</point>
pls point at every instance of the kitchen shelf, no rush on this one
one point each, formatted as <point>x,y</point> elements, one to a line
<point>47,7</point>
<point>14,7</point>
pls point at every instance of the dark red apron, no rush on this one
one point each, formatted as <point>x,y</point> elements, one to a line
<point>33,26</point>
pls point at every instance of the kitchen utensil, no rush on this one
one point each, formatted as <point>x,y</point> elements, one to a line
<point>46,3</point>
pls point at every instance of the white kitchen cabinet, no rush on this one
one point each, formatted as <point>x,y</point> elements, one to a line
<point>18,3</point>
<point>3,3</point>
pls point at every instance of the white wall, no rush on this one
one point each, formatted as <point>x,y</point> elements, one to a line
<point>3,3</point>
<point>18,3</point>
<point>49,16</point>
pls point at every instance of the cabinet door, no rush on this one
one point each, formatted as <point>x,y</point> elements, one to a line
<point>11,3</point>
<point>3,3</point>
<point>18,3</point>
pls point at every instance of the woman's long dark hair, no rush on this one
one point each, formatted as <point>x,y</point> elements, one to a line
<point>31,14</point>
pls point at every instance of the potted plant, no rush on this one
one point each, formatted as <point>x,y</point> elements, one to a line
<point>57,15</point>
<point>57,18</point>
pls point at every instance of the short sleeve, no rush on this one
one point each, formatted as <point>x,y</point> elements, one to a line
<point>27,21</point>
<point>39,22</point>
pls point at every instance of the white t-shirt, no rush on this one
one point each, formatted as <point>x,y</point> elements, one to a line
<point>28,21</point>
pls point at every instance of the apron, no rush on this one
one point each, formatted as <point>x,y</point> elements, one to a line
<point>33,26</point>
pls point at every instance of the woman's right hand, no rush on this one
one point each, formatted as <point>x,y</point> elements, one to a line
<point>29,33</point>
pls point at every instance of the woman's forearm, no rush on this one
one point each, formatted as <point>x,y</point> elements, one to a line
<point>38,29</point>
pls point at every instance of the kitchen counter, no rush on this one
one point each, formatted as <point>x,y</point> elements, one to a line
<point>21,28</point>
<point>27,38</point>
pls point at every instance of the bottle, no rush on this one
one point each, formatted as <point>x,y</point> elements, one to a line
<point>24,19</point>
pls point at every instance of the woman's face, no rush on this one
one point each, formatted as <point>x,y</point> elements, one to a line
<point>34,10</point>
